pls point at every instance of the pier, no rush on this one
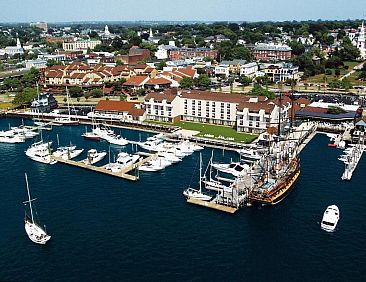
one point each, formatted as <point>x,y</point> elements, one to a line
<point>212,205</point>
<point>122,174</point>
<point>353,160</point>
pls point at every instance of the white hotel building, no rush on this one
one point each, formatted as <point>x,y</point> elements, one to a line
<point>247,113</point>
<point>80,45</point>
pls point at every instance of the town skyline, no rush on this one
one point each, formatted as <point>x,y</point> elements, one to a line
<point>189,11</point>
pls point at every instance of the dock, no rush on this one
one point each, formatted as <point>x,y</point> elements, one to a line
<point>212,205</point>
<point>124,173</point>
<point>354,159</point>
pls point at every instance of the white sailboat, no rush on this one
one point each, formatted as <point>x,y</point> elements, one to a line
<point>194,193</point>
<point>35,232</point>
<point>66,120</point>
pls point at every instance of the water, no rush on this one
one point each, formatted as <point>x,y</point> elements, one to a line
<point>104,228</point>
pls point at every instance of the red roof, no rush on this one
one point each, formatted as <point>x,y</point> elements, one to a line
<point>118,106</point>
<point>158,81</point>
<point>135,81</point>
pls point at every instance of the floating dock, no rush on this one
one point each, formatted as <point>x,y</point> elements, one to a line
<point>122,174</point>
<point>212,205</point>
<point>353,162</point>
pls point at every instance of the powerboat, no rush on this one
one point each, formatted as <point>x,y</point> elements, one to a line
<point>250,154</point>
<point>192,146</point>
<point>94,156</point>
<point>91,136</point>
<point>12,139</point>
<point>65,121</point>
<point>35,232</point>
<point>40,152</point>
<point>67,152</point>
<point>123,160</point>
<point>116,140</point>
<point>330,218</point>
<point>234,168</point>
<point>155,164</point>
<point>171,157</point>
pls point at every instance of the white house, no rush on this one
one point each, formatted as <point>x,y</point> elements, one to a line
<point>249,69</point>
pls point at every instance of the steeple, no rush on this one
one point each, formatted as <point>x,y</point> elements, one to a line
<point>151,33</point>
<point>106,30</point>
<point>18,43</point>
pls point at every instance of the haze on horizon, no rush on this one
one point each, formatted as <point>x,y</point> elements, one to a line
<point>178,10</point>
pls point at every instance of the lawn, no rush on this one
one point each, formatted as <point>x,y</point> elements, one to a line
<point>215,130</point>
<point>5,106</point>
<point>355,81</point>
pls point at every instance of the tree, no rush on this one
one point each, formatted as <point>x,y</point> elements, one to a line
<point>260,91</point>
<point>203,81</point>
<point>161,65</point>
<point>31,77</point>
<point>96,93</point>
<point>186,83</point>
<point>25,97</point>
<point>76,91</point>
<point>240,52</point>
<point>119,62</point>
<point>348,51</point>
<point>297,47</point>
<point>244,80</point>
<point>11,83</point>
<point>51,63</point>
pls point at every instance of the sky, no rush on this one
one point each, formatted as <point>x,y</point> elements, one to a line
<point>179,10</point>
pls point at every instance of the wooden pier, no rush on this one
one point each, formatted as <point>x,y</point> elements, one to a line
<point>122,174</point>
<point>212,205</point>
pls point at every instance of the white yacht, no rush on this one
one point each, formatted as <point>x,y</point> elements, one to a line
<point>155,164</point>
<point>192,146</point>
<point>66,120</point>
<point>40,152</point>
<point>123,160</point>
<point>116,140</point>
<point>35,232</point>
<point>251,154</point>
<point>234,168</point>
<point>194,193</point>
<point>330,218</point>
<point>103,131</point>
<point>67,152</point>
<point>12,139</point>
<point>94,156</point>
<point>171,157</point>
<point>151,145</point>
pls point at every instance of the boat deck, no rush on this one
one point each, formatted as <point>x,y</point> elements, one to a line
<point>122,174</point>
<point>212,205</point>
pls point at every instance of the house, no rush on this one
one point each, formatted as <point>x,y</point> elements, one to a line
<point>158,83</point>
<point>281,72</point>
<point>120,110</point>
<point>249,69</point>
<point>136,82</point>
<point>163,51</point>
<point>45,103</point>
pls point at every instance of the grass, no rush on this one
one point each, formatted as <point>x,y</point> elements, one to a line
<point>5,106</point>
<point>355,81</point>
<point>216,130</point>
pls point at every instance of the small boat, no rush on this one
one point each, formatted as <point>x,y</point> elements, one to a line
<point>332,145</point>
<point>330,218</point>
<point>116,140</point>
<point>250,154</point>
<point>94,156</point>
<point>194,193</point>
<point>66,120</point>
<point>35,232</point>
<point>12,139</point>
<point>156,164</point>
<point>91,136</point>
<point>171,157</point>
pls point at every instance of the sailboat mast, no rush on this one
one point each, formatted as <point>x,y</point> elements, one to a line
<point>200,172</point>
<point>29,197</point>
<point>68,101</point>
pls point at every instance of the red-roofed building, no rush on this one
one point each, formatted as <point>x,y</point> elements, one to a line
<point>120,110</point>
<point>136,82</point>
<point>158,83</point>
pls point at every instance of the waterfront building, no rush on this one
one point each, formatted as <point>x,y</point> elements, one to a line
<point>80,45</point>
<point>271,52</point>
<point>120,110</point>
<point>45,103</point>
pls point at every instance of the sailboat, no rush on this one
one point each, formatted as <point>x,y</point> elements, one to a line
<point>194,193</point>
<point>66,120</point>
<point>36,233</point>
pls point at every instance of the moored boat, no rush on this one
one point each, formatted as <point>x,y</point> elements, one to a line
<point>330,218</point>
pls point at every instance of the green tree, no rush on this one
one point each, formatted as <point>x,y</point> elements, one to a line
<point>240,52</point>
<point>96,93</point>
<point>348,52</point>
<point>161,65</point>
<point>76,91</point>
<point>25,97</point>
<point>297,47</point>
<point>119,62</point>
<point>31,77</point>
<point>203,81</point>
<point>11,83</point>
<point>244,80</point>
<point>51,63</point>
<point>260,91</point>
<point>186,83</point>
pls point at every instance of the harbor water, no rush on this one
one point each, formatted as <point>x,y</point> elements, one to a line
<point>109,229</point>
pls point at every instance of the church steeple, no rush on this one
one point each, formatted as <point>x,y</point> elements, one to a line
<point>18,43</point>
<point>151,33</point>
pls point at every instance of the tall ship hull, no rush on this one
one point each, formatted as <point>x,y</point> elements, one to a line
<point>275,192</point>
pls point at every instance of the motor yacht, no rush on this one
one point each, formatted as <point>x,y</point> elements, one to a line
<point>94,156</point>
<point>123,160</point>
<point>155,164</point>
<point>40,152</point>
<point>330,218</point>
<point>234,168</point>
<point>91,136</point>
<point>251,154</point>
<point>116,140</point>
<point>67,152</point>
<point>171,157</point>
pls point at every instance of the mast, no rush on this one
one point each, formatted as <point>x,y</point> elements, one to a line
<point>200,172</point>
<point>68,101</point>
<point>29,197</point>
<point>279,117</point>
